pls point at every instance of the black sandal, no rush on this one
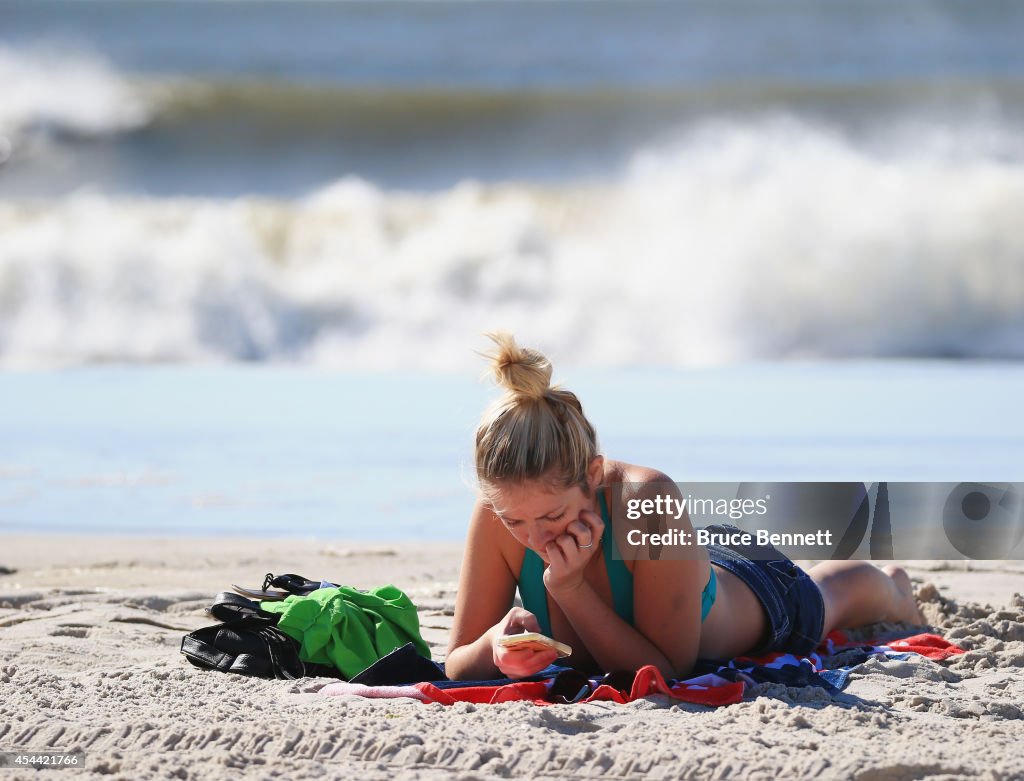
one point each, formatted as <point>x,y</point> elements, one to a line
<point>230,607</point>
<point>293,584</point>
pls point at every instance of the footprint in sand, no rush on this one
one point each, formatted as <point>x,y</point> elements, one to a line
<point>70,631</point>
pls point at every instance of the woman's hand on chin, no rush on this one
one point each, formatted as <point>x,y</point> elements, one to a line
<point>519,662</point>
<point>569,553</point>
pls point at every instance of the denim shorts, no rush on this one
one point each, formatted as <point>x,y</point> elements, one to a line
<point>792,601</point>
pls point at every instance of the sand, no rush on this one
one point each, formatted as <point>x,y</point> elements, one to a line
<point>90,630</point>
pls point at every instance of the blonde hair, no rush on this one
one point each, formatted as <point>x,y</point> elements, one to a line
<point>535,430</point>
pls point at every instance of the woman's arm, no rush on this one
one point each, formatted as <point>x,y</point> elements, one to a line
<point>482,609</point>
<point>666,599</point>
<point>667,616</point>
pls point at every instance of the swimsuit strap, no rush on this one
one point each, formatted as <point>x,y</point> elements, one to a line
<point>619,577</point>
<point>532,591</point>
<point>707,597</point>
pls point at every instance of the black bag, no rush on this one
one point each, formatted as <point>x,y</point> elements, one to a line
<point>248,642</point>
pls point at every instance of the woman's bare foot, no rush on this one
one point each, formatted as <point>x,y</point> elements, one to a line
<point>906,606</point>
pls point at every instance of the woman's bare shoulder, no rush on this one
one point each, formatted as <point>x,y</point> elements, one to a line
<point>633,474</point>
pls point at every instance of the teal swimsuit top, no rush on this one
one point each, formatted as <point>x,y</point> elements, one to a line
<point>535,597</point>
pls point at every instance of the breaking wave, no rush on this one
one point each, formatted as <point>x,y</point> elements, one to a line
<point>733,241</point>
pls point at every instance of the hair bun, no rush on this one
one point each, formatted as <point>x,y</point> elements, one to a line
<point>520,370</point>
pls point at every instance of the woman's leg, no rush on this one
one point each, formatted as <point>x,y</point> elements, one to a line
<point>858,593</point>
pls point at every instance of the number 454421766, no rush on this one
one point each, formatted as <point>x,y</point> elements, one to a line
<point>53,759</point>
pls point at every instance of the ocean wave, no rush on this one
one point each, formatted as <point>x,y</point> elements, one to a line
<point>61,89</point>
<point>733,241</point>
<point>63,92</point>
<point>371,108</point>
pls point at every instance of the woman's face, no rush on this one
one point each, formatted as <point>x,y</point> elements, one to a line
<point>536,513</point>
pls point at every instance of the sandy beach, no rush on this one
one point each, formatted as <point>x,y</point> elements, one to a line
<point>91,626</point>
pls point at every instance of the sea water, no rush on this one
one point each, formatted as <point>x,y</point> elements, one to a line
<point>268,451</point>
<point>369,185</point>
<point>280,96</point>
<point>247,249</point>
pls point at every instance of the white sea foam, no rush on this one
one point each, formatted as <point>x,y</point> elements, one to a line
<point>60,90</point>
<point>733,242</point>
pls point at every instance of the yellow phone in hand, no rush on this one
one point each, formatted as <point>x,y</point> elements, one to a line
<point>534,641</point>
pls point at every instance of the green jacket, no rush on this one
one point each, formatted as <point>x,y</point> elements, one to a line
<point>349,628</point>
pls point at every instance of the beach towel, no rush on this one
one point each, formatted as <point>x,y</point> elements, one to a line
<point>712,683</point>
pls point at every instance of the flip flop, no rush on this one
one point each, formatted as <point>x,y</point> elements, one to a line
<point>291,583</point>
<point>255,593</point>
<point>230,607</point>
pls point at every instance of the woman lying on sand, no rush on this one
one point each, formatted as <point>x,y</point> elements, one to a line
<point>541,523</point>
